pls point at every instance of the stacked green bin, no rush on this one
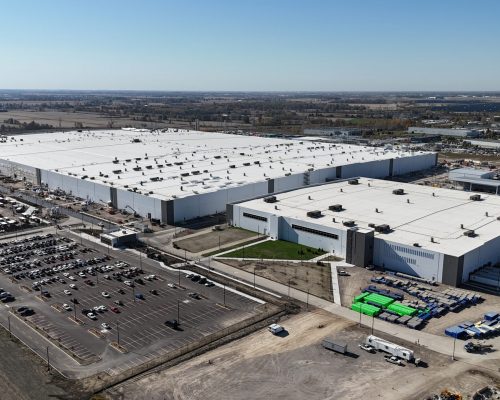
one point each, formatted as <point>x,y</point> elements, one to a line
<point>401,309</point>
<point>366,309</point>
<point>361,297</point>
<point>378,299</point>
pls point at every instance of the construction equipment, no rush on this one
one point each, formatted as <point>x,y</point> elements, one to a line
<point>475,347</point>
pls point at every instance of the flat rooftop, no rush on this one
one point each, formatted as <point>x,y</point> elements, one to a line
<point>179,163</point>
<point>421,213</point>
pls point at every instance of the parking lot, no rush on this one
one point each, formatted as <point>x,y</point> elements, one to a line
<point>84,300</point>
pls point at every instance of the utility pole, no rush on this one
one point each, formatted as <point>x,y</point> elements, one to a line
<point>48,359</point>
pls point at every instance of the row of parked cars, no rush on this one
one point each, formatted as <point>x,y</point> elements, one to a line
<point>200,279</point>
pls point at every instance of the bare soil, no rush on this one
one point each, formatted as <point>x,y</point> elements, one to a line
<point>211,240</point>
<point>23,376</point>
<point>304,276</point>
<point>295,366</point>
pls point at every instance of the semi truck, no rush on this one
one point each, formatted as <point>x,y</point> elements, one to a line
<point>391,348</point>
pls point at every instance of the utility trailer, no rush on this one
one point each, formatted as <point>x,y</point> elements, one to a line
<point>391,348</point>
<point>335,345</point>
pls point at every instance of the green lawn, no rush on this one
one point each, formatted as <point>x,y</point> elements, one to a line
<point>276,249</point>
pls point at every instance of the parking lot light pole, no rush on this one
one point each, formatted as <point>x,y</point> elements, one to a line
<point>140,260</point>
<point>224,292</point>
<point>118,333</point>
<point>453,354</point>
<point>48,359</point>
<point>74,308</point>
<point>10,332</point>
<point>254,277</point>
<point>178,311</point>
<point>179,273</point>
<point>307,300</point>
<point>373,322</point>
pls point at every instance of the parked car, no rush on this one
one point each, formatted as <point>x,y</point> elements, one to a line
<point>104,325</point>
<point>68,292</point>
<point>67,307</point>
<point>105,294</point>
<point>91,315</point>
<point>172,323</point>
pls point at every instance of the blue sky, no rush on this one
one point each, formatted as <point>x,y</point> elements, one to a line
<point>275,45</point>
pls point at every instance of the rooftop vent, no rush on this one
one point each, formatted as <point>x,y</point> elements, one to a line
<point>314,214</point>
<point>470,233</point>
<point>475,197</point>
<point>336,208</point>
<point>416,245</point>
<point>384,228</point>
<point>353,182</point>
<point>398,192</point>
<point>349,223</point>
<point>270,199</point>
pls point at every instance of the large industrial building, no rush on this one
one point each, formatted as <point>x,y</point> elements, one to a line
<point>177,175</point>
<point>456,132</point>
<point>438,234</point>
<point>476,179</point>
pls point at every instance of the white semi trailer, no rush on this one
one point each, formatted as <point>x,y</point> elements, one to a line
<point>391,348</point>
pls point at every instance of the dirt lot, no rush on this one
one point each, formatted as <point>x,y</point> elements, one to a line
<point>23,376</point>
<point>350,286</point>
<point>302,276</point>
<point>297,367</point>
<point>213,239</point>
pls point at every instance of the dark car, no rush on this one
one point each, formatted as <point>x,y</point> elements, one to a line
<point>172,323</point>
<point>27,312</point>
<point>202,281</point>
<point>154,291</point>
<point>194,295</point>
<point>195,278</point>
<point>121,291</point>
<point>139,296</point>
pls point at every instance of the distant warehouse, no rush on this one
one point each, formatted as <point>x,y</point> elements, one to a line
<point>457,132</point>
<point>177,175</point>
<point>438,234</point>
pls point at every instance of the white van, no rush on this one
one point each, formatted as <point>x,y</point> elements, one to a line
<point>275,329</point>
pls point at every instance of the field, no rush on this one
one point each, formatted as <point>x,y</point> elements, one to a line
<point>297,367</point>
<point>276,250</point>
<point>304,276</point>
<point>214,239</point>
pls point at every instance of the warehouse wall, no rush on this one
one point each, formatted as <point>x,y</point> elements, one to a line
<point>286,232</point>
<point>408,259</point>
<point>147,206</point>
<point>213,202</point>
<point>86,189</point>
<point>10,168</point>
<point>488,252</point>
<point>252,224</point>
<point>415,163</point>
<point>371,169</point>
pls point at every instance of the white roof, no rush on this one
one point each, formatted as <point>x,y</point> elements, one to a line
<point>206,157</point>
<point>426,215</point>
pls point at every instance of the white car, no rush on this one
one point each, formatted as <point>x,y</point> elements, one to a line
<point>171,285</point>
<point>71,278</point>
<point>82,274</point>
<point>68,292</point>
<point>104,325</point>
<point>128,283</point>
<point>72,286</point>
<point>67,307</point>
<point>105,294</point>
<point>91,315</point>
<point>102,308</point>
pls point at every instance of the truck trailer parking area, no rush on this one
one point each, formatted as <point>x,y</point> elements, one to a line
<point>109,311</point>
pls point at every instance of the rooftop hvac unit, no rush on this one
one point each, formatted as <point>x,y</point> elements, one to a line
<point>336,208</point>
<point>349,223</point>
<point>247,164</point>
<point>475,197</point>
<point>470,233</point>
<point>372,225</point>
<point>232,166</point>
<point>353,182</point>
<point>416,245</point>
<point>314,214</point>
<point>117,171</point>
<point>115,161</point>
<point>384,228</point>
<point>270,199</point>
<point>398,192</point>
<point>136,168</point>
<point>195,172</point>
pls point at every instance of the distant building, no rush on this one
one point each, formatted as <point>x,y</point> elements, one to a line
<point>457,132</point>
<point>340,131</point>
<point>474,179</point>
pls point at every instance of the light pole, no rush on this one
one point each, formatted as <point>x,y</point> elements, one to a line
<point>178,311</point>
<point>373,322</point>
<point>224,294</point>
<point>179,274</point>
<point>307,300</point>
<point>10,332</point>
<point>140,260</point>
<point>48,359</point>
<point>118,333</point>
<point>453,354</point>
